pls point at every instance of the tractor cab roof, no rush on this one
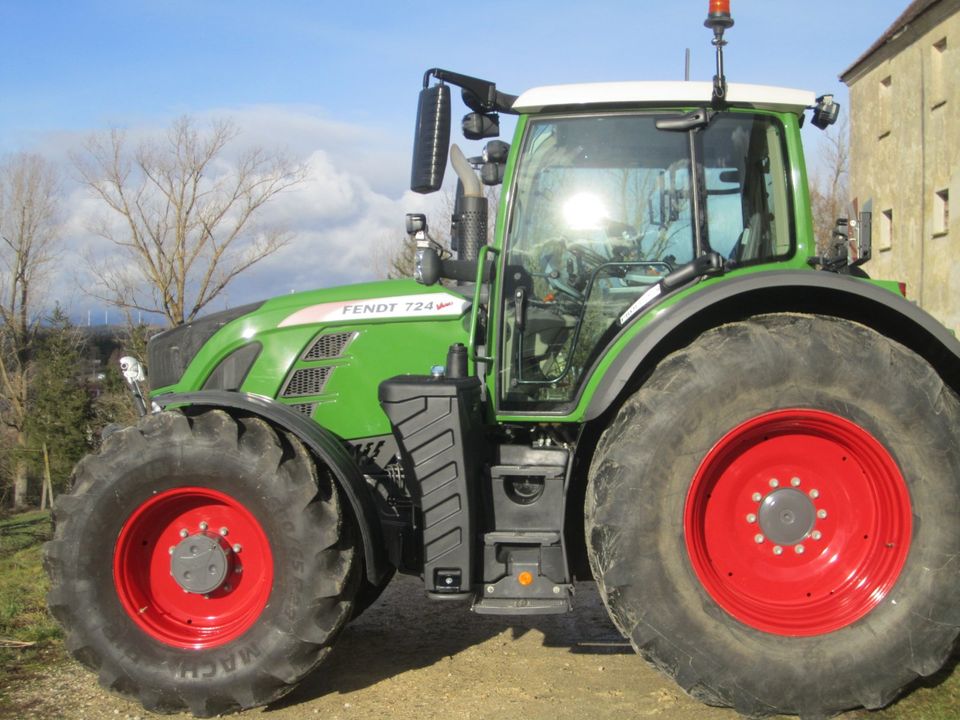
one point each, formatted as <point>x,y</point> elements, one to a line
<point>660,94</point>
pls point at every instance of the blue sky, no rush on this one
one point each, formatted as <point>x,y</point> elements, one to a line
<point>335,83</point>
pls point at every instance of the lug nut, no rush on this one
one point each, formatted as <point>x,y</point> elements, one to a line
<point>203,525</point>
<point>821,514</point>
<point>227,588</point>
<point>774,482</point>
<point>798,549</point>
<point>777,550</point>
<point>816,534</point>
<point>751,518</point>
<point>238,569</point>
<point>814,493</point>
<point>184,533</point>
<point>758,538</point>
<point>237,547</point>
<point>795,482</point>
<point>757,497</point>
<point>171,549</point>
<point>223,531</point>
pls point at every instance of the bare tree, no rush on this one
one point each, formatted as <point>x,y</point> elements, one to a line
<point>181,215</point>
<point>829,189</point>
<point>29,208</point>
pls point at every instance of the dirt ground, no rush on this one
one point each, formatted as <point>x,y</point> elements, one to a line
<point>407,658</point>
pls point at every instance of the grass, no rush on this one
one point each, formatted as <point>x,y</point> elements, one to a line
<point>935,698</point>
<point>23,587</point>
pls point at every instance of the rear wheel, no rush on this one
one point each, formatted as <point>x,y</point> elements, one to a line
<point>771,518</point>
<point>201,563</point>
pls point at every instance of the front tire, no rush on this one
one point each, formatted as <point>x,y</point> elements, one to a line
<point>772,518</point>
<point>236,630</point>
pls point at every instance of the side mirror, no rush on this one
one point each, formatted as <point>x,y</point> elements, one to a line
<point>864,238</point>
<point>432,139</point>
<point>670,200</point>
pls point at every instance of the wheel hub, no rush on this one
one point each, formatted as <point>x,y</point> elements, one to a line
<point>200,563</point>
<point>798,522</point>
<point>193,567</point>
<point>786,516</point>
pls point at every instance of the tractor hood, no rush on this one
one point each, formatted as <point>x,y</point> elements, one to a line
<point>313,349</point>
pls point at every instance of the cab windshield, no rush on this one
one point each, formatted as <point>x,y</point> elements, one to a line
<point>604,207</point>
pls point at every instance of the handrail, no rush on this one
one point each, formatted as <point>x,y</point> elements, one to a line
<point>485,250</point>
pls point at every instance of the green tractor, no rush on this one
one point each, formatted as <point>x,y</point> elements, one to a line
<point>649,377</point>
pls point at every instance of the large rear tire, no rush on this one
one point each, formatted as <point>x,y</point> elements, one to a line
<point>772,518</point>
<point>235,630</point>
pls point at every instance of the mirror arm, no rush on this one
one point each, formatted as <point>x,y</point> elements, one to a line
<point>479,95</point>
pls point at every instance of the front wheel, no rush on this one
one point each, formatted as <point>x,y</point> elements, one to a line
<point>201,563</point>
<point>772,518</point>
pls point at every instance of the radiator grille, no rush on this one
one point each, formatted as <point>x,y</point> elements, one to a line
<point>307,381</point>
<point>305,409</point>
<point>330,345</point>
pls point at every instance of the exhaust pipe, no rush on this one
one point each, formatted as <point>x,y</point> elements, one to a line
<point>468,230</point>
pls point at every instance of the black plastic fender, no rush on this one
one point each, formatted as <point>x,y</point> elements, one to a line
<point>757,293</point>
<point>327,447</point>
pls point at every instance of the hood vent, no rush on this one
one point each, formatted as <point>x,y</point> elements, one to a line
<point>303,408</point>
<point>329,345</point>
<point>307,381</point>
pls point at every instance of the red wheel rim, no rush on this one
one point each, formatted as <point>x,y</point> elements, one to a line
<point>798,522</point>
<point>152,597</point>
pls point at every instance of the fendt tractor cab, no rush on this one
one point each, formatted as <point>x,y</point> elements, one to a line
<point>648,376</point>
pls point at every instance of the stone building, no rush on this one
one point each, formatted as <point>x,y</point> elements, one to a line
<point>905,153</point>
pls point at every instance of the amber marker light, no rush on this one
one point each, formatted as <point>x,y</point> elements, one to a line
<point>720,6</point>
<point>718,15</point>
<point>525,578</point>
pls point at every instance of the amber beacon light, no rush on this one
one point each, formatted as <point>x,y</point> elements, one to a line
<point>719,14</point>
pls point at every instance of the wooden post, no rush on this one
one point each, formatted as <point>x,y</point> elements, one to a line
<point>47,492</point>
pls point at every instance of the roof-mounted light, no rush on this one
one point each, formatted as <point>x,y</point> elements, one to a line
<point>719,13</point>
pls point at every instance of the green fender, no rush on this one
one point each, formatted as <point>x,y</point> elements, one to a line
<point>324,444</point>
<point>800,291</point>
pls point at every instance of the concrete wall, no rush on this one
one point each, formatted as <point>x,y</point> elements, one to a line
<point>905,154</point>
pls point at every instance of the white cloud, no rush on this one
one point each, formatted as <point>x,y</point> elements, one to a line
<point>341,218</point>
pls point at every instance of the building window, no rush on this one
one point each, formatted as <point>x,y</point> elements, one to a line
<point>938,97</point>
<point>886,230</point>
<point>941,212</point>
<point>883,107</point>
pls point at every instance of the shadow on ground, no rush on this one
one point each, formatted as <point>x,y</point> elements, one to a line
<point>404,631</point>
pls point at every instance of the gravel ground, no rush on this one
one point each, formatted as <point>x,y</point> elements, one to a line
<point>407,658</point>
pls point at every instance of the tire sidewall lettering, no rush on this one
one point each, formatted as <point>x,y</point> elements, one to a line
<point>272,477</point>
